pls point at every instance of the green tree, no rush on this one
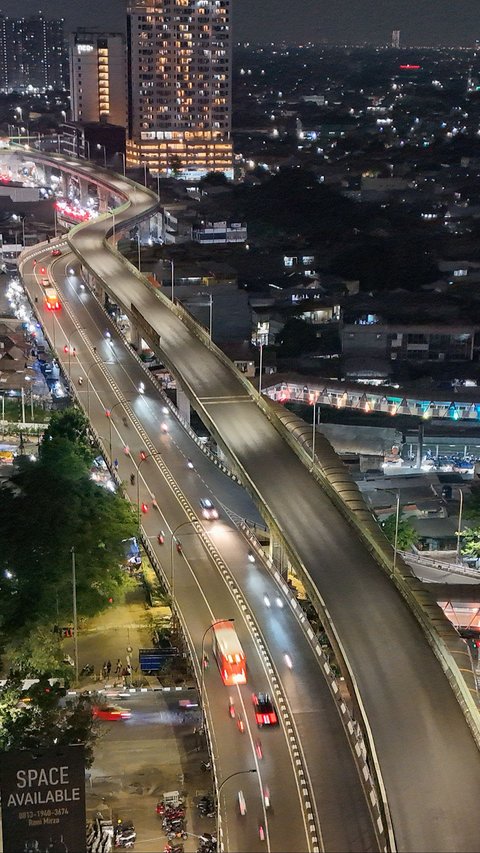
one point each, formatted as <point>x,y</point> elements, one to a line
<point>296,337</point>
<point>39,653</point>
<point>472,502</point>
<point>176,164</point>
<point>470,537</point>
<point>49,507</point>
<point>407,535</point>
<point>215,179</point>
<point>71,424</point>
<point>41,722</point>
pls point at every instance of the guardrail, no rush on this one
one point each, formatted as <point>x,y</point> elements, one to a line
<point>352,729</point>
<point>198,330</point>
<point>411,557</point>
<point>349,503</point>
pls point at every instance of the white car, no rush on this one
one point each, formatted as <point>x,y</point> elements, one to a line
<point>209,510</point>
<point>242,804</point>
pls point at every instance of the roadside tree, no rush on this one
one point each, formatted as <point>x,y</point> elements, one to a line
<point>407,535</point>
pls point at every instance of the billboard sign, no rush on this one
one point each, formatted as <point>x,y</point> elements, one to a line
<point>43,801</point>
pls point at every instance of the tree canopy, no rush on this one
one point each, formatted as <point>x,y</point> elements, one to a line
<point>470,539</point>
<point>407,535</point>
<point>71,424</point>
<point>296,337</point>
<point>36,719</point>
<point>48,508</point>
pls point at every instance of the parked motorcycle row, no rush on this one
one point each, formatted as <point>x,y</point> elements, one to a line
<point>207,843</point>
<point>102,834</point>
<point>206,806</point>
<point>173,820</point>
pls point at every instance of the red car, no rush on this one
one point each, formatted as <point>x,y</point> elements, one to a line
<point>111,713</point>
<point>56,253</point>
<point>265,713</point>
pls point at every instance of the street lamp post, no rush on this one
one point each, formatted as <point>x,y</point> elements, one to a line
<point>314,428</point>
<point>210,311</point>
<point>459,531</point>
<point>112,211</point>
<point>87,372</point>
<point>70,350</point>
<point>144,174</point>
<point>202,672</point>
<point>395,492</point>
<point>99,147</point>
<point>139,253</point>
<point>148,456</point>
<point>75,620</point>
<point>17,218</point>
<point>172,564</point>
<point>237,773</point>
<point>260,370</point>
<point>109,413</point>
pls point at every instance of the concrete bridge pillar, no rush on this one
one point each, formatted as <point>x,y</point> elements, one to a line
<point>135,337</point>
<point>103,199</point>
<point>83,192</point>
<point>276,553</point>
<point>183,403</point>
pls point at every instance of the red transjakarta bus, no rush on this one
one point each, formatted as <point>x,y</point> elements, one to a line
<point>229,654</point>
<point>51,299</point>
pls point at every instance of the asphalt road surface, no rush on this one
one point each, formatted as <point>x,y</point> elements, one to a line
<point>202,595</point>
<point>429,761</point>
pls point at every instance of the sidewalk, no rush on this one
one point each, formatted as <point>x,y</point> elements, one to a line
<point>115,634</point>
<point>136,761</point>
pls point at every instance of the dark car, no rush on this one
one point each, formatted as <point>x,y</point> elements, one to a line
<point>265,713</point>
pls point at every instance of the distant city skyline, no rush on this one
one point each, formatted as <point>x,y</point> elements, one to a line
<point>422,22</point>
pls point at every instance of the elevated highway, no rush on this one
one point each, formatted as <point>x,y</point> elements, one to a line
<point>319,796</point>
<point>410,673</point>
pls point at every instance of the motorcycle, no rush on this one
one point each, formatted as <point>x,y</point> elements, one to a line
<point>179,547</point>
<point>161,537</point>
<point>190,464</point>
<point>240,724</point>
<point>125,836</point>
<point>231,708</point>
<point>132,479</point>
<point>80,380</point>
<point>87,669</point>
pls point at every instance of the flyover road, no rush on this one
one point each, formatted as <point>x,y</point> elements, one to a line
<point>202,594</point>
<point>429,762</point>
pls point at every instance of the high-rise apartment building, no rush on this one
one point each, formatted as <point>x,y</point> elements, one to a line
<point>396,39</point>
<point>98,77</point>
<point>33,54</point>
<point>179,86</point>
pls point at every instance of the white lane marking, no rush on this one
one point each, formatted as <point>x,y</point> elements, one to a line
<point>211,549</point>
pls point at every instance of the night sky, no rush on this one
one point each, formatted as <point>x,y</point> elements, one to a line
<point>422,22</point>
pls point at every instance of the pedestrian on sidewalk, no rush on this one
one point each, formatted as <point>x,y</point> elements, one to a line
<point>109,667</point>
<point>118,668</point>
<point>104,669</point>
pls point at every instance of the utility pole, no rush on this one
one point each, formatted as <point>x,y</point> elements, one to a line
<point>75,620</point>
